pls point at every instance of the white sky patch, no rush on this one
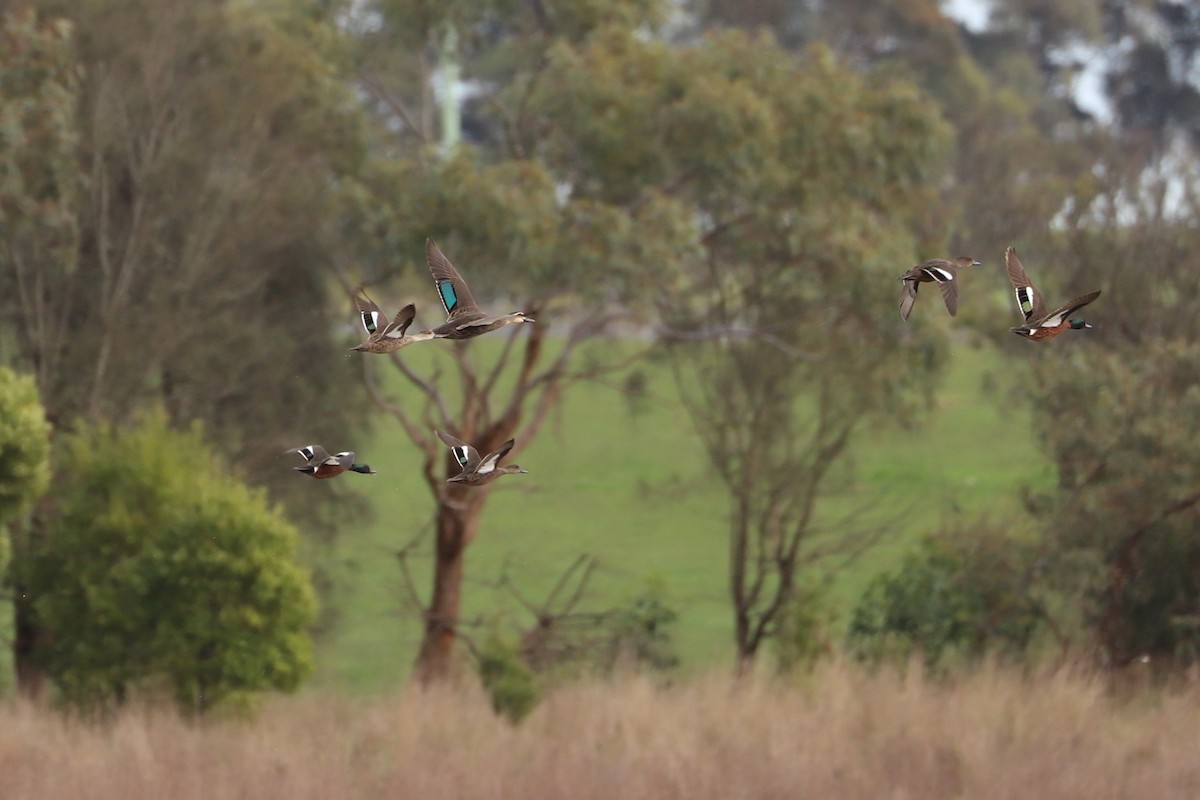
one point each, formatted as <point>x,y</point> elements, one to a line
<point>360,18</point>
<point>973,15</point>
<point>1090,63</point>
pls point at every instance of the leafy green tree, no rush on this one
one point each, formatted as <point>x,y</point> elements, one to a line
<point>1020,148</point>
<point>162,572</point>
<point>190,269</point>
<point>41,188</point>
<point>787,336</point>
<point>1116,414</point>
<point>1119,427</point>
<point>24,451</point>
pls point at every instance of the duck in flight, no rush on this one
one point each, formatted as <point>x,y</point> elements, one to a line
<point>464,320</point>
<point>319,464</point>
<point>936,270</point>
<point>477,471</point>
<point>1039,325</point>
<point>384,338</point>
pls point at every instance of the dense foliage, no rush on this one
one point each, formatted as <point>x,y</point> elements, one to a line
<point>958,595</point>
<point>163,573</point>
<point>24,452</point>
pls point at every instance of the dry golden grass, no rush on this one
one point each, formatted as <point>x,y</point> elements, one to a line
<point>842,734</point>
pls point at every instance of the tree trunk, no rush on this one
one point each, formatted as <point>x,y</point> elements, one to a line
<point>31,678</point>
<point>457,521</point>
<point>745,662</point>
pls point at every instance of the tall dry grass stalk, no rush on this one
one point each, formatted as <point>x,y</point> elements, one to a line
<point>843,733</point>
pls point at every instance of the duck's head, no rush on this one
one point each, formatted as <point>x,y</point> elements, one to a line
<point>1079,324</point>
<point>512,469</point>
<point>365,469</point>
<point>967,261</point>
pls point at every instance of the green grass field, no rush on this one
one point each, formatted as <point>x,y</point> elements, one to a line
<point>632,488</point>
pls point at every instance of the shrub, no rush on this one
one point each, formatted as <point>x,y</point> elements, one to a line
<point>959,593</point>
<point>162,570</point>
<point>507,678</point>
<point>804,633</point>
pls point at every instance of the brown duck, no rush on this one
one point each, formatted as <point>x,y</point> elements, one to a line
<point>477,471</point>
<point>936,270</point>
<point>392,336</point>
<point>464,320</point>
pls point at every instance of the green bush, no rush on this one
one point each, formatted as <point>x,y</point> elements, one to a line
<point>959,594</point>
<point>643,629</point>
<point>804,632</point>
<point>161,571</point>
<point>507,678</point>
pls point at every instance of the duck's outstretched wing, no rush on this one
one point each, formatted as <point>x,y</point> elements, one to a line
<point>1056,318</point>
<point>372,316</point>
<point>311,453</point>
<point>488,464</point>
<point>399,325</point>
<point>908,297</point>
<point>451,288</point>
<point>950,294</point>
<point>1029,300</point>
<point>466,455</point>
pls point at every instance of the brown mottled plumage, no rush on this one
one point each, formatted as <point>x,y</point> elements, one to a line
<point>937,270</point>
<point>464,320</point>
<point>386,338</point>
<point>477,471</point>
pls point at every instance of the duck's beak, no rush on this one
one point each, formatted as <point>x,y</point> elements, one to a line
<point>976,263</point>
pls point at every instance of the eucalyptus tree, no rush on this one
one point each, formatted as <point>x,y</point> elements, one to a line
<point>174,249</point>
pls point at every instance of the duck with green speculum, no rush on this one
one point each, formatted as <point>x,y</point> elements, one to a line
<point>936,270</point>
<point>319,464</point>
<point>477,471</point>
<point>1039,325</point>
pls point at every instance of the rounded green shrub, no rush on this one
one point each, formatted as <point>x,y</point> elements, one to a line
<point>162,571</point>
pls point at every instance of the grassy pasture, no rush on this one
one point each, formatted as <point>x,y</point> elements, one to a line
<point>627,482</point>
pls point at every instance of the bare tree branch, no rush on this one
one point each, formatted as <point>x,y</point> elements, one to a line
<point>381,92</point>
